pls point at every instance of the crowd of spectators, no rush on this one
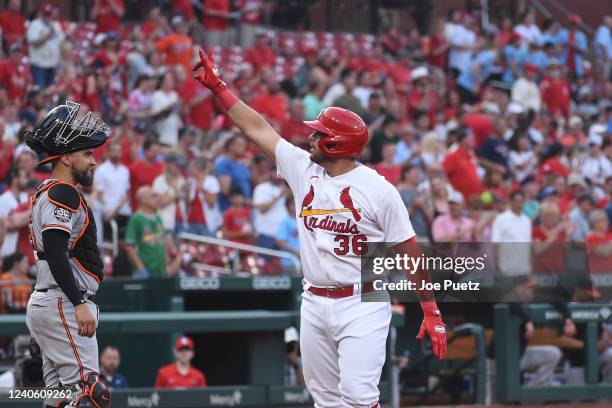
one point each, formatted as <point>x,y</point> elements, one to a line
<point>496,133</point>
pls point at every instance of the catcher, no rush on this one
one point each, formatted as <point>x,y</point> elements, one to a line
<point>61,314</point>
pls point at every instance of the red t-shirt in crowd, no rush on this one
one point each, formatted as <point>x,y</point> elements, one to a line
<point>212,22</point>
<point>480,124</point>
<point>235,219</point>
<point>460,168</point>
<point>260,57</point>
<point>554,165</point>
<point>598,263</point>
<point>143,174</point>
<point>436,60</point>
<point>555,95</point>
<point>169,377</point>
<point>184,8</point>
<point>552,259</point>
<point>196,210</point>
<point>12,25</point>
<point>107,20</point>
<point>15,79</point>
<point>272,106</point>
<point>200,114</point>
<point>391,174</point>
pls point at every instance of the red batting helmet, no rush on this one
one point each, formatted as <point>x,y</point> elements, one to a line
<point>347,133</point>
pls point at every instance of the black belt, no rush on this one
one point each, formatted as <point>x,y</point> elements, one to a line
<point>83,293</point>
<point>40,255</point>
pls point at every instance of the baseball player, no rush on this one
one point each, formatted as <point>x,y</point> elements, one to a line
<point>341,205</point>
<point>61,315</point>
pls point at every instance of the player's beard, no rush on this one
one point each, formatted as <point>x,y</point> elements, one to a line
<point>317,157</point>
<point>84,178</point>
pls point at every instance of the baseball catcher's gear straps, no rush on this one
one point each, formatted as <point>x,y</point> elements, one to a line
<point>65,195</point>
<point>85,250</point>
<point>94,394</point>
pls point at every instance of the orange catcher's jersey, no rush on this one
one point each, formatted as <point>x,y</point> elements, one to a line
<point>338,216</point>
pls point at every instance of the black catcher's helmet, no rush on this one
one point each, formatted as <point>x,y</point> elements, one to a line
<point>61,132</point>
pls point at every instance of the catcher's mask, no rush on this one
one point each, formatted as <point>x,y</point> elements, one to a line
<point>61,132</point>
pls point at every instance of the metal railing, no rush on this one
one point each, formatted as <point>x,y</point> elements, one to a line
<point>241,247</point>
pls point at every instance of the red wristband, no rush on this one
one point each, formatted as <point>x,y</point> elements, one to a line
<point>226,97</point>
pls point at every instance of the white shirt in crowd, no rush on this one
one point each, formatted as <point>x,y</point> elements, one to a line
<point>596,169</point>
<point>167,213</point>
<point>112,182</point>
<point>363,94</point>
<point>527,94</point>
<point>167,127</point>
<point>8,203</point>
<point>530,34</point>
<point>513,234</point>
<point>517,158</point>
<point>47,55</point>
<point>214,218</point>
<point>267,223</point>
<point>460,37</point>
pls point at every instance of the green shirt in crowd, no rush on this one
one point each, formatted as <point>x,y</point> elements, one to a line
<point>146,232</point>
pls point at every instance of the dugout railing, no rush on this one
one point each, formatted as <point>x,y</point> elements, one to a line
<point>507,351</point>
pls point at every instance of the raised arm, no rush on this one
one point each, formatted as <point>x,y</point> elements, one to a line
<point>254,127</point>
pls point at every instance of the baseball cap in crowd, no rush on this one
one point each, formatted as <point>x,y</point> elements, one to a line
<point>575,121</point>
<point>418,73</point>
<point>183,343</point>
<point>291,334</point>
<point>456,198</point>
<point>490,107</point>
<point>576,179</point>
<point>546,192</point>
<point>514,108</point>
<point>176,20</point>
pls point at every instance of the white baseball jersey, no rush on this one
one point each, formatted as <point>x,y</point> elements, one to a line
<point>337,215</point>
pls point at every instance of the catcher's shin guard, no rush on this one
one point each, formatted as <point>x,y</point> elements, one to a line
<point>94,394</point>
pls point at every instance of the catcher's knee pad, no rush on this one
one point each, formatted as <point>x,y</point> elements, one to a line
<point>94,394</point>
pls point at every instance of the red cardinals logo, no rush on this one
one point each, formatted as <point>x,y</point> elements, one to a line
<point>347,201</point>
<point>327,223</point>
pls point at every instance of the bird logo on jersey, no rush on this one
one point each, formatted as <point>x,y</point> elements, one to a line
<point>328,223</point>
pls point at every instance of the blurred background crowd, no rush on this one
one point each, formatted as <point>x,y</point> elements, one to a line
<point>492,131</point>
